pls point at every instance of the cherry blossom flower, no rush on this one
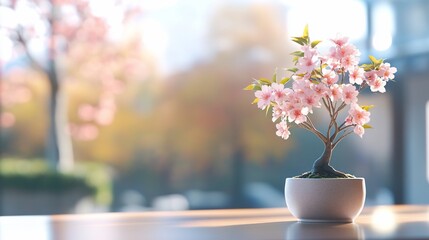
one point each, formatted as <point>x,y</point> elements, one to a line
<point>302,86</point>
<point>335,92</point>
<point>298,115</point>
<point>348,121</point>
<point>358,115</point>
<point>307,64</point>
<point>279,92</point>
<point>356,75</point>
<point>349,62</point>
<point>311,100</point>
<point>309,52</point>
<point>370,76</point>
<point>320,89</point>
<point>349,94</point>
<point>386,72</point>
<point>278,112</point>
<point>282,130</point>
<point>378,85</point>
<point>348,50</point>
<point>264,96</point>
<point>359,130</point>
<point>329,77</point>
<point>317,80</point>
<point>340,40</point>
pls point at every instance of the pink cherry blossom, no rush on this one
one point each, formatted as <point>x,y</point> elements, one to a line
<point>329,77</point>
<point>359,130</point>
<point>278,112</point>
<point>349,120</point>
<point>318,79</point>
<point>279,92</point>
<point>348,55</point>
<point>293,101</point>
<point>309,52</point>
<point>356,75</point>
<point>297,115</point>
<point>378,85</point>
<point>319,89</point>
<point>386,72</point>
<point>349,62</point>
<point>347,51</point>
<point>307,64</point>
<point>358,115</point>
<point>371,76</point>
<point>310,101</point>
<point>282,130</point>
<point>349,94</point>
<point>264,96</point>
<point>302,86</point>
<point>344,55</point>
<point>340,40</point>
<point>335,92</point>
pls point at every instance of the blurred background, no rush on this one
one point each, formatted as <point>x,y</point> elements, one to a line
<point>139,105</point>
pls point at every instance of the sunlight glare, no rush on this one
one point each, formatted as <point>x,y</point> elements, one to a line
<point>155,38</point>
<point>383,220</point>
<point>36,227</point>
<point>383,26</point>
<point>318,15</point>
<point>381,42</point>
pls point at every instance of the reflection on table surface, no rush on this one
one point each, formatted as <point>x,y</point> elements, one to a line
<point>400,221</point>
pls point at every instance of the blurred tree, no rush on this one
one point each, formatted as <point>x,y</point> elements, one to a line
<point>204,125</point>
<point>56,37</point>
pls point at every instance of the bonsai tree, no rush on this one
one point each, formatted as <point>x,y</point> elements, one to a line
<point>332,82</point>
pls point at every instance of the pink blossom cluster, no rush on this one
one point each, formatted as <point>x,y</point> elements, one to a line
<point>325,80</point>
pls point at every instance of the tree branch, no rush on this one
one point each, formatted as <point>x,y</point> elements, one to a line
<point>345,134</point>
<point>310,126</point>
<point>23,42</point>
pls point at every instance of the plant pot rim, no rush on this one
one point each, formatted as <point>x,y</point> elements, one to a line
<point>326,179</point>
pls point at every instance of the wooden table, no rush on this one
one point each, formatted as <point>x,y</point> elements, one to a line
<point>381,222</point>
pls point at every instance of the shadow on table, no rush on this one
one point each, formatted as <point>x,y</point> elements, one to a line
<point>301,230</point>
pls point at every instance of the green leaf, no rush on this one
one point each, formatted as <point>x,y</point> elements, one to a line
<point>256,100</point>
<point>301,41</point>
<point>250,87</point>
<point>274,79</point>
<point>375,61</point>
<point>317,74</point>
<point>298,53</point>
<point>294,70</point>
<point>265,81</point>
<point>367,107</point>
<point>295,59</point>
<point>315,42</point>
<point>305,33</point>
<point>284,80</point>
<point>366,126</point>
<point>367,67</point>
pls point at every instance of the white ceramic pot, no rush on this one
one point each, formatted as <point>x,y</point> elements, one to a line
<point>325,199</point>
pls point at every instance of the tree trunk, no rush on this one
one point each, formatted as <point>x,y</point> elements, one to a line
<point>323,161</point>
<point>52,147</point>
<point>322,167</point>
<point>59,151</point>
